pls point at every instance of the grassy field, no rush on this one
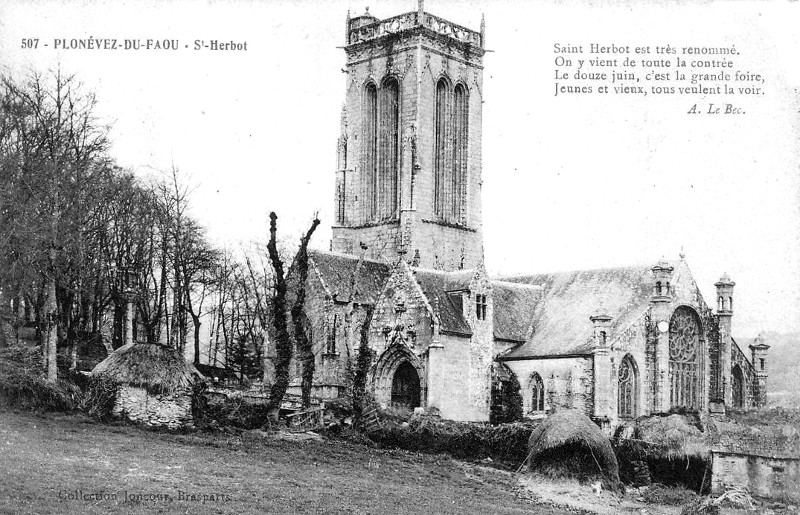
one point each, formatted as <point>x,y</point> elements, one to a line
<point>62,464</point>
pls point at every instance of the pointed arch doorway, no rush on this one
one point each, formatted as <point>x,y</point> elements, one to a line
<point>406,387</point>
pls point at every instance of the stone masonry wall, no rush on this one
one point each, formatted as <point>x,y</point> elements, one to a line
<point>137,405</point>
<point>568,383</point>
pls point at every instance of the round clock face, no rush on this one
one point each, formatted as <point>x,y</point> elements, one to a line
<point>663,326</point>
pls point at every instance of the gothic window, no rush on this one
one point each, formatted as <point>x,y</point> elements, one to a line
<point>737,387</point>
<point>626,397</point>
<point>388,150</point>
<point>480,306</point>
<point>537,389</point>
<point>685,359</point>
<point>330,346</point>
<point>441,140</point>
<point>341,201</point>
<point>451,156</point>
<point>370,129</point>
<point>459,172</point>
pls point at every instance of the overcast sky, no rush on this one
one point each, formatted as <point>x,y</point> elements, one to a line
<point>569,182</point>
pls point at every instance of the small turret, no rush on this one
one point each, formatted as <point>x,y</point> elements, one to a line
<point>725,295</point>
<point>662,289</point>
<point>603,410</point>
<point>724,315</point>
<point>759,355</point>
<point>602,326</point>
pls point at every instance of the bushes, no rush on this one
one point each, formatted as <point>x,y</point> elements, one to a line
<point>507,442</point>
<point>20,389</point>
<point>233,412</point>
<point>99,397</point>
<point>669,495</point>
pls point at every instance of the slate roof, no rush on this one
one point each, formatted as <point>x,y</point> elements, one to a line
<point>514,306</point>
<point>561,324</point>
<point>435,285</point>
<point>336,271</point>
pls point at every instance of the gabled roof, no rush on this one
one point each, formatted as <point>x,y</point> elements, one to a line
<point>435,285</point>
<point>336,272</point>
<point>561,324</point>
<point>514,306</point>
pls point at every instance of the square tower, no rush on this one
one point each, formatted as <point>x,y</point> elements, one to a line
<point>408,177</point>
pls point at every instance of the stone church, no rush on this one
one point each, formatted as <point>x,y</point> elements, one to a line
<point>615,343</point>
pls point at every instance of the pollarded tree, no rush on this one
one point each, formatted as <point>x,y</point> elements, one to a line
<point>283,341</point>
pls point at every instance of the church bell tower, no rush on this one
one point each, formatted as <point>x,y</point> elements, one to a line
<point>408,178</point>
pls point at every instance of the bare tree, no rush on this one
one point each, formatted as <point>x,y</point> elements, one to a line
<point>52,146</point>
<point>283,345</point>
<point>299,318</point>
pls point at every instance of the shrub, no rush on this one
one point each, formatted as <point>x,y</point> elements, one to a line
<point>26,390</point>
<point>233,412</point>
<point>99,397</point>
<point>669,495</point>
<point>505,442</point>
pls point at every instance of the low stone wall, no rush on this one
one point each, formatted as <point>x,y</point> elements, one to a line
<point>764,476</point>
<point>171,411</point>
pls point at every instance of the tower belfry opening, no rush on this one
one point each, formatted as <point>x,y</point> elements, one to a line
<point>409,165</point>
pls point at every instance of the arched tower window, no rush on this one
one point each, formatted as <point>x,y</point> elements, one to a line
<point>627,389</point>
<point>441,142</point>
<point>370,170</point>
<point>451,126</point>
<point>459,172</point>
<point>388,149</point>
<point>537,389</point>
<point>685,359</point>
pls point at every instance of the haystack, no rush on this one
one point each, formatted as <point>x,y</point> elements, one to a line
<point>677,452</point>
<point>672,437</point>
<point>155,384</point>
<point>569,444</point>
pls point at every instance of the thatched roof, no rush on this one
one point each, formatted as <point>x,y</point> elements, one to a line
<point>672,437</point>
<point>157,368</point>
<point>563,436</point>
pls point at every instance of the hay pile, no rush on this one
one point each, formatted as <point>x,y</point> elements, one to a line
<point>569,444</point>
<point>672,437</point>
<point>160,370</point>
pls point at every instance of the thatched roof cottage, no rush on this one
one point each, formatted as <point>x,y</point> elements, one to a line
<point>155,384</point>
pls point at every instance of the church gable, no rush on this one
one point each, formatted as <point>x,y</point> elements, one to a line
<point>402,313</point>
